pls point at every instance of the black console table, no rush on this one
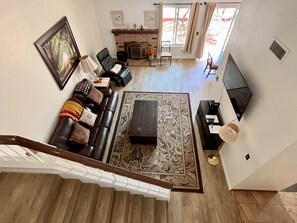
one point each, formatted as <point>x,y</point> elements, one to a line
<point>209,141</point>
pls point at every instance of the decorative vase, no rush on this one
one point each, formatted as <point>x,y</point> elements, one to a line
<point>151,57</point>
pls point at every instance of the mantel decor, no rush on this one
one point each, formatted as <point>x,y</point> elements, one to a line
<point>59,51</point>
<point>117,18</point>
<point>150,19</point>
<point>134,31</point>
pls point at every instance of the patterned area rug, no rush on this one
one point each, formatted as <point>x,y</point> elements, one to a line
<point>174,159</point>
<point>142,63</point>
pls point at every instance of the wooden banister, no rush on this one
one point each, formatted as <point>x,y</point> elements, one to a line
<point>52,150</point>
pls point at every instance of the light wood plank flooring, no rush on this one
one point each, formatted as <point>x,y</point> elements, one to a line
<point>217,203</point>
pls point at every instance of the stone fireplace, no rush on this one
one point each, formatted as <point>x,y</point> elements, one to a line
<point>135,42</point>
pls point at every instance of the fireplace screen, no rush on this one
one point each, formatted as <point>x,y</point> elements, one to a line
<point>136,50</point>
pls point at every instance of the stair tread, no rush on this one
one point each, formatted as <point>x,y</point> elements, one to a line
<point>148,210</point>
<point>46,194</point>
<point>64,204</point>
<point>161,212</point>
<point>6,188</point>
<point>21,193</point>
<point>83,211</point>
<point>49,198</point>
<point>119,209</point>
<point>134,208</point>
<point>104,202</point>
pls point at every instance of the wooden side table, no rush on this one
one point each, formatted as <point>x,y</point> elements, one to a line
<point>104,82</point>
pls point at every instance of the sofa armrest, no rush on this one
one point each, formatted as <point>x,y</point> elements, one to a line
<point>62,133</point>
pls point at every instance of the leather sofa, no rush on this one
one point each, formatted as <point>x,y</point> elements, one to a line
<point>95,147</point>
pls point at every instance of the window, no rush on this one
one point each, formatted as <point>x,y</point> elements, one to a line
<point>219,29</point>
<point>175,23</point>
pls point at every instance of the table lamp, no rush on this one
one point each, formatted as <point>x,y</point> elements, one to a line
<point>228,133</point>
<point>88,65</point>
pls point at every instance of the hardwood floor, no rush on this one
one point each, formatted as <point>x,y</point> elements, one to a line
<point>217,203</point>
<point>54,199</point>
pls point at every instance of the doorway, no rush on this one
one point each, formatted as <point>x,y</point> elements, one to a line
<point>219,30</point>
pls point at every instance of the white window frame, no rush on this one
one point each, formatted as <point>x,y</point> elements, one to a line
<point>173,43</point>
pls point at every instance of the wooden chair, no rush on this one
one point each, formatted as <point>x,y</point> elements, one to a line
<point>210,65</point>
<point>165,52</point>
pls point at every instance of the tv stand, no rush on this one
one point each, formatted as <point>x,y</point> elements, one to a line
<point>209,141</point>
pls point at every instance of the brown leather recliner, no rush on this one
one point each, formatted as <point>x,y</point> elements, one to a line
<point>122,77</point>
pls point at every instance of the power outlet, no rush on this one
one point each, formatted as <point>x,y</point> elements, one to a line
<point>247,156</point>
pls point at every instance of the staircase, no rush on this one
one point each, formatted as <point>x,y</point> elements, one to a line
<point>49,198</point>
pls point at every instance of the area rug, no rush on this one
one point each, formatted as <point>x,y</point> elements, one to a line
<point>174,159</point>
<point>142,63</point>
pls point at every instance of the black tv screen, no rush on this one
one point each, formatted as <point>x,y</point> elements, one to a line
<point>236,87</point>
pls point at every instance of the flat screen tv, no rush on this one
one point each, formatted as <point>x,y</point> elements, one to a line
<point>236,87</point>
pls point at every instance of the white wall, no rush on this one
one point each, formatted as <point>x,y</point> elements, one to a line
<point>30,97</point>
<point>268,127</point>
<point>133,11</point>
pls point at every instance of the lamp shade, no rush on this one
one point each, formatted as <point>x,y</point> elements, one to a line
<point>87,64</point>
<point>229,132</point>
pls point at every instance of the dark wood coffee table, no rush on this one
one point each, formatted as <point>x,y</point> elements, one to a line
<point>143,124</point>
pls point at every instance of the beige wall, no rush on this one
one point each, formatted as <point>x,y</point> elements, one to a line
<point>133,11</point>
<point>268,127</point>
<point>30,97</point>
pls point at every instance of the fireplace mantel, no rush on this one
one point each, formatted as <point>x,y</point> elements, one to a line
<point>134,31</point>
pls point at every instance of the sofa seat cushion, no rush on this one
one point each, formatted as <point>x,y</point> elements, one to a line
<point>100,143</point>
<point>99,118</point>
<point>112,102</point>
<point>102,105</point>
<point>106,119</point>
<point>93,135</point>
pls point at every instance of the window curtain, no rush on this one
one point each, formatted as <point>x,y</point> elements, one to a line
<point>210,7</point>
<point>160,27</point>
<point>194,13</point>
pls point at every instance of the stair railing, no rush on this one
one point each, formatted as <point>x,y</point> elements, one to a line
<point>19,154</point>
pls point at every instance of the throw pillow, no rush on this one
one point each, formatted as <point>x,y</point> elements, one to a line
<point>72,108</point>
<point>83,87</point>
<point>80,134</point>
<point>88,117</point>
<point>95,95</point>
